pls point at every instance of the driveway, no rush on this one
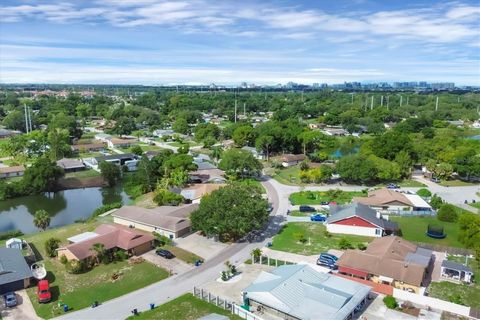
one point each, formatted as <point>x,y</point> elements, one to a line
<point>24,310</point>
<point>174,266</point>
<point>201,246</point>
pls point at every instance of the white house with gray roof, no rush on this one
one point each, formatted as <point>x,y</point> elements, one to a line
<point>300,292</point>
<point>15,273</point>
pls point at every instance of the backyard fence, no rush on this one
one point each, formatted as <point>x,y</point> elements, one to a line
<point>426,213</point>
<point>449,250</point>
<point>224,304</point>
<point>266,260</point>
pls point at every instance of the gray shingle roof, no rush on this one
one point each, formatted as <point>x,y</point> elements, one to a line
<point>360,210</point>
<point>302,292</point>
<point>455,266</point>
<point>13,266</point>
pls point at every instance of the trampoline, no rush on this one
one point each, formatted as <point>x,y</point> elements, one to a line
<point>435,232</point>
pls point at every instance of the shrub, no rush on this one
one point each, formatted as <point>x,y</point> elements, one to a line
<point>74,266</point>
<point>224,276</point>
<point>424,193</point>
<point>344,244</point>
<point>447,213</point>
<point>10,234</point>
<point>120,255</point>
<point>105,208</point>
<point>164,197</point>
<point>456,298</point>
<point>390,302</point>
<point>327,234</point>
<point>51,246</point>
<point>304,166</point>
<point>63,260</point>
<point>162,240</point>
<point>361,246</point>
<point>436,202</point>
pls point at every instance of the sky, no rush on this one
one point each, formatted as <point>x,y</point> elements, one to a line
<point>155,42</point>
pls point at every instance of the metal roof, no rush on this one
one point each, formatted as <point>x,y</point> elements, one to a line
<point>455,266</point>
<point>82,237</point>
<point>302,292</point>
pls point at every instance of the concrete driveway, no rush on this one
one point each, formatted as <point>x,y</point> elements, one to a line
<point>201,246</point>
<point>174,266</point>
<point>24,310</point>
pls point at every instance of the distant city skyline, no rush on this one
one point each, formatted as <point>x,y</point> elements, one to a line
<point>154,42</point>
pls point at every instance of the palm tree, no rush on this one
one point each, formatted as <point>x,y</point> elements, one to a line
<point>216,153</point>
<point>100,251</point>
<point>41,219</point>
<point>256,253</point>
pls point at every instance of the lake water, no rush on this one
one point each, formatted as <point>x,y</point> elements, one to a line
<point>477,137</point>
<point>339,153</point>
<point>64,207</point>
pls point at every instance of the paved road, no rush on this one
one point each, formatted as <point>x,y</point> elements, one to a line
<point>175,286</point>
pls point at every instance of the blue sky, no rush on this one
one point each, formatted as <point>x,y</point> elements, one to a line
<point>227,42</point>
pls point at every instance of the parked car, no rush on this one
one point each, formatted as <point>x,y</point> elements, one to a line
<point>165,254</point>
<point>10,299</point>
<point>318,217</point>
<point>327,260</point>
<point>325,203</point>
<point>393,186</point>
<point>307,209</point>
<point>436,180</point>
<point>43,291</point>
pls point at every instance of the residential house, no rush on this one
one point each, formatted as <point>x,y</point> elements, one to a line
<point>71,165</point>
<point>259,155</point>
<point>120,143</point>
<point>113,237</point>
<point>9,172</point>
<point>169,221</point>
<point>88,147</point>
<point>4,133</point>
<point>15,273</point>
<point>456,272</point>
<point>195,192</point>
<point>212,175</point>
<point>392,201</point>
<point>331,131</point>
<point>456,123</point>
<point>300,292</point>
<point>103,137</point>
<point>163,133</point>
<point>289,160</point>
<point>359,219</point>
<point>129,160</point>
<point>227,144</point>
<point>389,260</point>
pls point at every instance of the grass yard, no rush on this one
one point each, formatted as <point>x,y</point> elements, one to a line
<point>181,254</point>
<point>80,290</point>
<point>288,176</point>
<point>178,144</point>
<point>457,293</point>
<point>147,147</point>
<point>297,213</point>
<point>186,307</point>
<point>288,239</point>
<point>475,205</point>
<point>455,183</point>
<point>3,142</point>
<point>93,154</point>
<point>316,197</point>
<point>415,228</point>
<point>83,174</point>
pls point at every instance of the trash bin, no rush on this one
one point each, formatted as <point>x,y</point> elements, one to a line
<point>152,306</point>
<point>65,308</point>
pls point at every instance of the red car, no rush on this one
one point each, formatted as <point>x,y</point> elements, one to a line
<point>43,291</point>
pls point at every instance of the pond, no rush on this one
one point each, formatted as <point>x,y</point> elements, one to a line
<point>64,207</point>
<point>341,152</point>
<point>477,137</point>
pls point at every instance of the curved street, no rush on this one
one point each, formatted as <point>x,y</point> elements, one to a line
<point>236,253</point>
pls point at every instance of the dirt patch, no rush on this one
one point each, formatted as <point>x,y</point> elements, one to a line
<point>78,183</point>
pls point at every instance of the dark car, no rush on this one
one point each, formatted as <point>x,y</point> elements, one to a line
<point>10,299</point>
<point>393,186</point>
<point>327,260</point>
<point>318,217</point>
<point>165,254</point>
<point>325,203</point>
<point>307,209</point>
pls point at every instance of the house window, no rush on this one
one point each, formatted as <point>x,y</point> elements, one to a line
<point>378,232</point>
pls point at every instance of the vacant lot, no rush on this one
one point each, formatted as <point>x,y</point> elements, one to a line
<point>311,238</point>
<point>186,307</point>
<point>317,197</point>
<point>80,290</point>
<point>415,228</point>
<point>289,176</point>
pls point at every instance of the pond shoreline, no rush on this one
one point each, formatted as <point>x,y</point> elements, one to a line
<point>79,183</point>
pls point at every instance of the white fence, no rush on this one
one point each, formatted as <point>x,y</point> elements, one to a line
<point>244,314</point>
<point>432,302</point>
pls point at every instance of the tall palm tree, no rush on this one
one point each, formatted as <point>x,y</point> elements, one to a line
<point>256,253</point>
<point>100,251</point>
<point>41,219</point>
<point>216,153</point>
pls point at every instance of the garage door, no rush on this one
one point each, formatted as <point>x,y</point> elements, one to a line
<point>12,286</point>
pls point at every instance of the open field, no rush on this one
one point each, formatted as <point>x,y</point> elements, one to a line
<point>316,197</point>
<point>80,290</point>
<point>316,239</point>
<point>186,307</point>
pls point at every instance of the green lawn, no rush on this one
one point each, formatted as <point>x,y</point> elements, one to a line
<point>475,205</point>
<point>297,213</point>
<point>147,147</point>
<point>453,292</point>
<point>186,307</point>
<point>316,197</point>
<point>184,255</point>
<point>289,176</point>
<point>3,142</point>
<point>288,239</point>
<point>415,228</point>
<point>178,144</point>
<point>455,183</point>
<point>89,154</point>
<point>83,174</point>
<point>80,290</point>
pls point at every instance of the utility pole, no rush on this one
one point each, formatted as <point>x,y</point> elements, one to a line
<point>388,100</point>
<point>381,101</point>
<point>407,100</point>
<point>366,103</point>
<point>436,104</point>
<point>26,117</point>
<point>235,110</point>
<point>244,110</point>
<point>29,111</point>
<point>371,104</point>
<point>401,100</point>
